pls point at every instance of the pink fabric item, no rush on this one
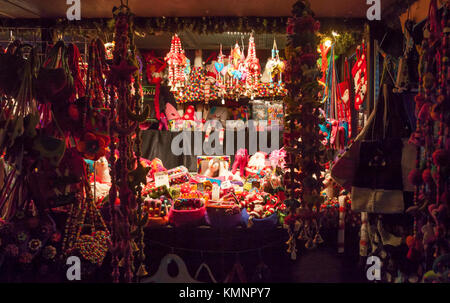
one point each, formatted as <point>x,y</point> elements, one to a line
<point>187,217</point>
<point>172,113</point>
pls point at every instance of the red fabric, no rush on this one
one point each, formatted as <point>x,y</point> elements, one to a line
<point>187,217</point>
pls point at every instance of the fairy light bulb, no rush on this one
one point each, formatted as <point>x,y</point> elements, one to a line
<point>223,101</point>
<point>328,43</point>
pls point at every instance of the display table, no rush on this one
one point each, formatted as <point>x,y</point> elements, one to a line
<point>157,144</point>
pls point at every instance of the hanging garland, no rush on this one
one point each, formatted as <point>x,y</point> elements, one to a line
<point>430,231</point>
<point>301,137</point>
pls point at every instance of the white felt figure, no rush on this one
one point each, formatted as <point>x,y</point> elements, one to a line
<point>102,180</point>
<point>256,162</point>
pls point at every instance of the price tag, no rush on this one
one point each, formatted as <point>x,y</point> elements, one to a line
<point>215,195</point>
<point>226,184</point>
<point>161,179</point>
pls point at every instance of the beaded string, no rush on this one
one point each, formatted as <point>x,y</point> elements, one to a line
<point>113,189</point>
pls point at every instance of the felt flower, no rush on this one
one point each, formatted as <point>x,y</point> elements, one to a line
<point>34,244</point>
<point>25,258</point>
<point>49,252</point>
<point>93,146</point>
<point>11,250</point>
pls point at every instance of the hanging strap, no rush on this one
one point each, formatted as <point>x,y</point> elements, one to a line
<point>237,269</point>
<point>208,270</point>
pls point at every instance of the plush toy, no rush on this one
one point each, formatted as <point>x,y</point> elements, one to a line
<point>156,166</point>
<point>226,173</point>
<point>277,158</point>
<point>256,163</point>
<point>240,161</point>
<point>189,113</point>
<point>330,190</point>
<point>102,181</point>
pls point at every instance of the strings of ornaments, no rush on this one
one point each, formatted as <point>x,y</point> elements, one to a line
<point>302,141</point>
<point>178,65</point>
<point>229,77</point>
<point>127,172</point>
<point>431,175</point>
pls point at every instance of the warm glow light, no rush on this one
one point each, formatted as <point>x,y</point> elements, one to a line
<point>328,43</point>
<point>335,34</point>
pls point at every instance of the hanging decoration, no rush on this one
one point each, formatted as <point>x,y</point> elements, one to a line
<point>178,65</point>
<point>274,68</point>
<point>303,179</point>
<point>127,173</point>
<point>232,78</point>
<point>336,129</point>
<point>252,68</point>
<point>428,240</point>
<point>359,73</point>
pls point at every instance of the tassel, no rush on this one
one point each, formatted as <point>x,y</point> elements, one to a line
<point>301,235</point>
<point>309,244</point>
<point>121,262</point>
<point>142,271</point>
<point>318,239</point>
<point>134,246</point>
<point>294,255</point>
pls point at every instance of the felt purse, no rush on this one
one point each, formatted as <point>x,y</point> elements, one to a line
<point>54,82</point>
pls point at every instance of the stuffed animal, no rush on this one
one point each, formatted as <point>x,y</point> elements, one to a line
<point>102,181</point>
<point>226,173</point>
<point>240,161</point>
<point>156,166</point>
<point>277,158</point>
<point>256,163</point>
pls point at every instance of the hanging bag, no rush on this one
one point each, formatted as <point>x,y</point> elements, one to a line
<point>54,82</point>
<point>378,184</point>
<point>375,165</point>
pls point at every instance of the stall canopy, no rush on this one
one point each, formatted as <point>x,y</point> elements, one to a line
<point>186,8</point>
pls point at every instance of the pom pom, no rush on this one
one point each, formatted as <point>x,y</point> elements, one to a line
<point>440,157</point>
<point>409,241</point>
<point>440,99</point>
<point>415,177</point>
<point>435,112</point>
<point>427,177</point>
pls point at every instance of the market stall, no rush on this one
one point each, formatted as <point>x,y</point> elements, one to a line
<point>222,144</point>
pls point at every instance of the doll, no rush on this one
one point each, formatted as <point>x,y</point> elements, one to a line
<point>213,170</point>
<point>256,163</point>
<point>240,161</point>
